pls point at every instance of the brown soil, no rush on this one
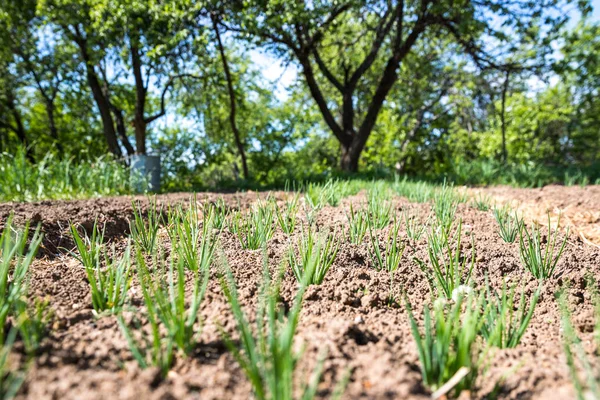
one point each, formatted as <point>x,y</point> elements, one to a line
<point>347,315</point>
<point>579,207</point>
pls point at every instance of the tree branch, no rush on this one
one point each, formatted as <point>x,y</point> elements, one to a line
<point>170,82</point>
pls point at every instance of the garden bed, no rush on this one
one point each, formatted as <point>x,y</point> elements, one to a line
<point>349,315</point>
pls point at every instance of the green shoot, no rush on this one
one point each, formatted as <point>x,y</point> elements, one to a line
<point>482,202</point>
<point>15,259</point>
<point>541,263</point>
<point>393,249</point>
<point>419,192</point>
<point>11,377</point>
<point>110,285</point>
<point>447,272</point>
<point>254,228</point>
<point>388,259</point>
<point>413,225</point>
<point>449,347</point>
<point>193,240</point>
<point>174,321</point>
<point>503,328</point>
<point>287,218</point>
<point>574,351</point>
<point>317,195</point>
<point>316,256</point>
<point>219,212</point>
<point>267,355</point>
<point>509,224</point>
<point>357,225</point>
<point>379,209</point>
<point>33,322</point>
<point>145,234</point>
<point>445,205</point>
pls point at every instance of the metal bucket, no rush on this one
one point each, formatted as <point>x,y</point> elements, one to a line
<point>145,172</point>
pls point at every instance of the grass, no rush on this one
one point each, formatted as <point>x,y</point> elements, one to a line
<point>219,212</point>
<point>509,224</point>
<point>379,208</point>
<point>482,202</point>
<point>420,192</point>
<point>15,260</point>
<point>267,354</point>
<point>30,323</point>
<point>448,270</point>
<point>173,319</point>
<point>53,177</point>
<point>358,223</point>
<point>449,348</point>
<point>445,204</point>
<point>108,285</point>
<point>11,377</point>
<point>192,240</point>
<point>254,228</point>
<point>144,231</point>
<point>317,253</point>
<point>505,324</point>
<point>389,258</point>
<point>413,225</point>
<point>577,359</point>
<point>286,218</point>
<point>540,262</point>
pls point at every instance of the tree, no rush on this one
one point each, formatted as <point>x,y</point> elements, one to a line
<point>119,40</point>
<point>344,41</point>
<point>232,100</point>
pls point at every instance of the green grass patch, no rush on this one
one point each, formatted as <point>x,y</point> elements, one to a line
<point>541,262</point>
<point>316,254</point>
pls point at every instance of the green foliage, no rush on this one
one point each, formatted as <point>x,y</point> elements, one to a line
<point>504,325</point>
<point>15,259</point>
<point>174,321</point>
<point>358,222</point>
<point>510,225</point>
<point>286,218</point>
<point>331,192</point>
<point>11,378</point>
<point>255,227</point>
<point>219,212</point>
<point>194,241</point>
<point>109,285</point>
<point>393,249</point>
<point>448,271</point>
<point>541,263</point>
<point>449,343</point>
<point>414,226</point>
<point>482,202</point>
<point>379,208</point>
<point>575,353</point>
<point>267,355</point>
<point>56,178</point>
<point>30,323</point>
<point>419,192</point>
<point>445,203</point>
<point>317,253</point>
<point>144,230</point>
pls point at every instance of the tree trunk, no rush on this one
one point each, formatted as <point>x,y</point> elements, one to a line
<point>19,129</point>
<point>121,129</point>
<point>232,105</point>
<point>102,102</point>
<point>139,123</point>
<point>350,157</point>
<point>52,126</point>
<point>503,116</point>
